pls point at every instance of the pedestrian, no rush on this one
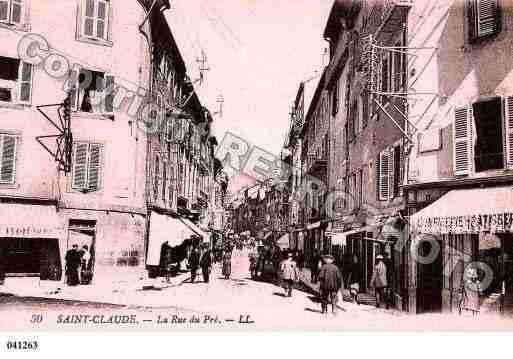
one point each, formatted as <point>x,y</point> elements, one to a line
<point>206,264</point>
<point>86,274</point>
<point>194,258</point>
<point>72,266</point>
<point>227,263</point>
<point>355,278</point>
<point>470,291</point>
<point>300,260</point>
<point>389,296</point>
<point>330,280</point>
<point>289,273</point>
<point>379,280</point>
<point>314,266</point>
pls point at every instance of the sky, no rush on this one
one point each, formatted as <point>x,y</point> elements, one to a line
<point>258,52</point>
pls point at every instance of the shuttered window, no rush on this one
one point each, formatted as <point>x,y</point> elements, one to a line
<point>87,167</point>
<point>7,158</point>
<point>508,132</point>
<point>15,81</point>
<point>11,11</point>
<point>25,83</point>
<point>384,171</point>
<point>95,19</point>
<point>462,139</point>
<point>484,18</point>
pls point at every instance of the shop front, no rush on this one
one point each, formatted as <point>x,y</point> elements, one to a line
<point>168,241</point>
<point>464,231</point>
<point>30,242</point>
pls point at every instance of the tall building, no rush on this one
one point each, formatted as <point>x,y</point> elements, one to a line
<point>460,166</point>
<point>141,139</point>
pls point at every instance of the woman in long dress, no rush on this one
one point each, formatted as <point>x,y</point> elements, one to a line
<point>227,263</point>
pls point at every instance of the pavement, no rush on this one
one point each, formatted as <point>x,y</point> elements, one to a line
<point>238,303</point>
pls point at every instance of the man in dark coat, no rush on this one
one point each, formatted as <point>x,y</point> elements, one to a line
<point>206,264</point>
<point>73,259</point>
<point>330,281</point>
<point>194,259</point>
<point>314,266</point>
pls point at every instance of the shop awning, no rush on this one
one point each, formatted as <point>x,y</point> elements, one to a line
<point>340,238</point>
<point>198,231</point>
<point>29,221</point>
<point>284,241</point>
<point>467,211</point>
<point>164,229</point>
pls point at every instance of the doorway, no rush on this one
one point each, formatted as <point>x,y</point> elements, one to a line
<point>430,277</point>
<point>83,234</point>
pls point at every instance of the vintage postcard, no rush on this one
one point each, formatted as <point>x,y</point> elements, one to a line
<point>243,165</point>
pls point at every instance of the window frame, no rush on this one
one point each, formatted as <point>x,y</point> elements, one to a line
<point>17,85</point>
<point>107,94</point>
<point>23,24</point>
<point>81,23</point>
<point>474,22</point>
<point>86,187</point>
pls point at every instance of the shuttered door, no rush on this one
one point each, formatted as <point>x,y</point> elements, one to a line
<point>508,132</point>
<point>462,136</point>
<point>94,167</point>
<point>487,17</point>
<point>80,166</point>
<point>7,158</point>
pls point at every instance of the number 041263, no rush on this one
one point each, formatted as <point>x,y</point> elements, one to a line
<point>22,345</point>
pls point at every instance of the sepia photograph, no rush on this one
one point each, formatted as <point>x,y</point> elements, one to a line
<point>255,165</point>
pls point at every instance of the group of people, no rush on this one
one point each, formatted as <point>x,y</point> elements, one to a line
<point>331,278</point>
<point>201,257</point>
<point>78,267</point>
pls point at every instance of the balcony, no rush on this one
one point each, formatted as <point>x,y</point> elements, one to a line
<point>388,17</point>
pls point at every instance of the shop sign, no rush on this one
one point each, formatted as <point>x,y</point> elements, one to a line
<point>28,231</point>
<point>494,223</point>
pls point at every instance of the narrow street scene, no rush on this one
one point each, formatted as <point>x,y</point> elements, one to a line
<point>287,165</point>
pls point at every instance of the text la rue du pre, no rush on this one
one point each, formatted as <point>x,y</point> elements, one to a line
<point>172,319</point>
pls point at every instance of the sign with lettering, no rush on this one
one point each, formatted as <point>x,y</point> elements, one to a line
<point>27,231</point>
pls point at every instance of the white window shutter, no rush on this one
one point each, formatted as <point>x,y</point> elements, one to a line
<point>5,10</point>
<point>72,87</point>
<point>24,83</point>
<point>17,12</point>
<point>7,158</point>
<point>88,18</point>
<point>384,173</point>
<point>94,167</point>
<point>109,94</point>
<point>462,137</point>
<point>80,166</point>
<point>508,132</point>
<point>102,17</point>
<point>487,17</point>
<point>391,173</point>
